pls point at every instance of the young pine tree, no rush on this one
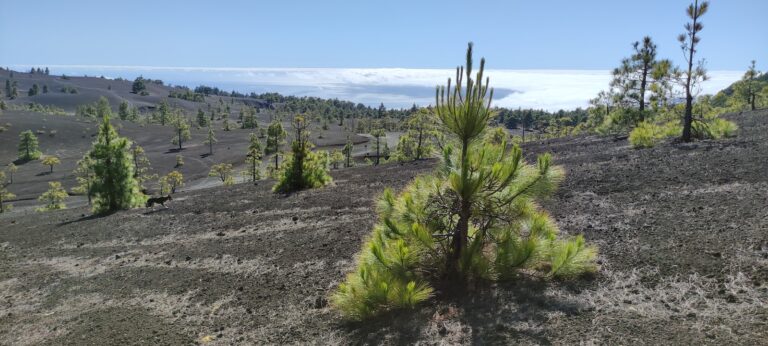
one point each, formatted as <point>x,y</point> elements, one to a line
<point>114,186</point>
<point>141,165</point>
<point>692,76</point>
<point>210,140</point>
<point>202,120</point>
<point>28,146</point>
<point>170,182</point>
<point>474,219</point>
<point>123,111</point>
<point>304,169</point>
<point>85,176</point>
<point>253,159</point>
<point>54,197</point>
<point>50,161</point>
<point>224,172</point>
<point>11,169</point>
<point>5,195</point>
<point>181,129</point>
<point>275,138</point>
<point>347,151</point>
<point>378,134</point>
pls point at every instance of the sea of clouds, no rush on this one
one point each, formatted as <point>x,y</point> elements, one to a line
<point>395,87</point>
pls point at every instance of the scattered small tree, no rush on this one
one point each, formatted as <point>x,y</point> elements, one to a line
<point>103,109</point>
<point>337,158</point>
<point>378,133</point>
<point>224,172</point>
<point>304,169</point>
<point>692,76</point>
<point>253,158</point>
<point>474,219</point>
<point>123,111</point>
<point>85,176</point>
<point>45,88</point>
<point>347,150</point>
<point>54,197</point>
<point>749,87</point>
<point>114,187</point>
<point>179,161</point>
<point>138,86</point>
<point>202,120</point>
<point>34,90</point>
<point>275,138</point>
<point>5,195</point>
<point>141,165</point>
<point>170,182</point>
<point>210,140</point>
<point>249,118</point>
<point>181,127</point>
<point>11,169</point>
<point>50,161</point>
<point>28,146</point>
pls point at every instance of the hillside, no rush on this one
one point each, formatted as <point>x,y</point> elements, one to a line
<point>683,259</point>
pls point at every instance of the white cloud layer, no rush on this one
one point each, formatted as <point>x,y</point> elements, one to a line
<point>395,87</point>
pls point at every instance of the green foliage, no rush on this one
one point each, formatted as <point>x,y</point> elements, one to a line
<point>275,137</point>
<point>224,172</point>
<point>28,146</point>
<point>475,218</point>
<point>141,165</point>
<point>170,182</point>
<point>349,147</point>
<point>210,140</point>
<point>249,118</point>
<point>5,195</point>
<point>85,176</point>
<point>202,120</point>
<point>138,86</point>
<point>303,169</point>
<point>50,161</point>
<point>114,187</point>
<point>181,126</point>
<point>54,197</point>
<point>186,94</point>
<point>123,112</point>
<point>336,158</point>
<point>179,161</point>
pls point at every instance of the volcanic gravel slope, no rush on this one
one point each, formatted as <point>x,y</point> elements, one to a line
<point>682,231</point>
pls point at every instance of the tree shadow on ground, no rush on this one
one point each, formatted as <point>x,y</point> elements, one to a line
<point>19,162</point>
<point>43,173</point>
<point>487,314</point>
<point>202,156</point>
<point>175,150</point>
<point>86,218</point>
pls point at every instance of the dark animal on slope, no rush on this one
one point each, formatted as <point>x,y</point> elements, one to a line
<point>158,200</point>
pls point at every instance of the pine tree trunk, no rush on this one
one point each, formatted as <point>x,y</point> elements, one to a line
<point>643,83</point>
<point>688,120</point>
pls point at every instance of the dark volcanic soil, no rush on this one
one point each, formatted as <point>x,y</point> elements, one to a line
<point>682,231</point>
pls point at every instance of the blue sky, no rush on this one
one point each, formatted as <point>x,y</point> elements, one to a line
<point>368,34</point>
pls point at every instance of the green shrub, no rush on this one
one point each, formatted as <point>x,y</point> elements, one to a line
<point>714,128</point>
<point>303,169</point>
<point>475,218</point>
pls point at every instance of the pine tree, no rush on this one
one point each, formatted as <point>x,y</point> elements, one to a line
<point>210,140</point>
<point>249,119</point>
<point>34,90</point>
<point>348,148</point>
<point>114,187</point>
<point>181,127</point>
<point>224,172</point>
<point>5,195</point>
<point>141,165</point>
<point>304,169</point>
<point>28,146</point>
<point>202,120</point>
<point>54,197</point>
<point>337,158</point>
<point>378,133</point>
<point>253,158</point>
<point>85,176</point>
<point>474,219</point>
<point>751,87</point>
<point>138,85</point>
<point>45,88</point>
<point>165,112</point>
<point>103,109</point>
<point>179,161</point>
<point>8,87</point>
<point>122,111</point>
<point>275,138</point>
<point>688,42</point>
<point>11,169</point>
<point>50,161</point>
<point>170,182</point>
